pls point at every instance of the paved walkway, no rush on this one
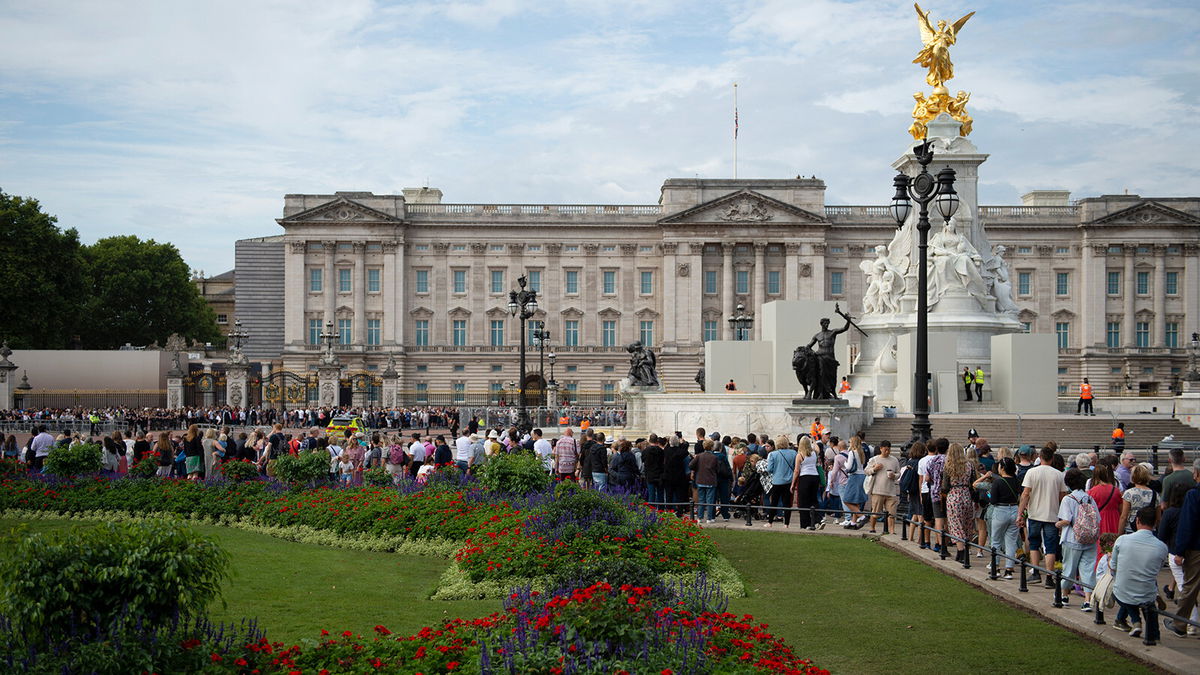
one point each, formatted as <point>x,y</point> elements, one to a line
<point>1172,654</point>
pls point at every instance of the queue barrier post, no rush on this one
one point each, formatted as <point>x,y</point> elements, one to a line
<point>995,563</point>
<point>1024,587</point>
<point>904,527</point>
<point>966,561</point>
<point>1058,597</point>
<point>942,545</point>
<point>1154,456</point>
<point>1099,609</point>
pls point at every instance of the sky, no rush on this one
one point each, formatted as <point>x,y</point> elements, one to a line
<point>188,121</point>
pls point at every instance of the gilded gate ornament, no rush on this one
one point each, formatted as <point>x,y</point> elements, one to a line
<point>935,56</point>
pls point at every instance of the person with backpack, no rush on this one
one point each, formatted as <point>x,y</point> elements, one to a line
<point>1079,521</point>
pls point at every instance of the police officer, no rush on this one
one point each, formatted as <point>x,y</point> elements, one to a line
<point>979,384</point>
<point>968,379</point>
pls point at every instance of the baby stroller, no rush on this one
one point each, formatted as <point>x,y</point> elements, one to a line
<point>751,494</point>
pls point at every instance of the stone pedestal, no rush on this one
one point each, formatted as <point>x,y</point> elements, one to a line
<point>174,392</point>
<point>551,395</point>
<point>635,403</point>
<point>327,384</point>
<point>842,419</point>
<point>236,378</point>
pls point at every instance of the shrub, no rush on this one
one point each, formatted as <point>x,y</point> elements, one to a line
<point>517,473</point>
<point>616,572</point>
<point>303,469</point>
<point>239,470</point>
<point>377,476</point>
<point>10,468</point>
<point>87,578</point>
<point>147,466</point>
<point>74,460</point>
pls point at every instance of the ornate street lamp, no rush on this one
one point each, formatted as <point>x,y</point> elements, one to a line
<point>522,303</point>
<point>541,340</point>
<point>924,189</point>
<point>327,338</point>
<point>741,323</point>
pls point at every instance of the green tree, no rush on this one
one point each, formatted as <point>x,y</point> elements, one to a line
<point>140,292</point>
<point>41,277</point>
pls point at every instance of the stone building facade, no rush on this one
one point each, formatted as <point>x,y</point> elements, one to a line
<point>427,282</point>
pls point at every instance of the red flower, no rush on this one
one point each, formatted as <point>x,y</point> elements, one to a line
<point>382,631</point>
<point>190,644</point>
<point>667,671</point>
<point>452,665</point>
<point>216,658</point>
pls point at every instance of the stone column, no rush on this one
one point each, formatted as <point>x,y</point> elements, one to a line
<point>1190,290</point>
<point>389,288</point>
<point>441,280</point>
<point>692,323</point>
<point>236,379</point>
<point>1091,286</point>
<point>727,288</point>
<point>760,285</point>
<point>791,283</point>
<point>478,291</point>
<point>1127,320</point>
<point>672,311</point>
<point>174,390</point>
<point>359,328</point>
<point>1160,296</point>
<point>294,292</point>
<point>329,286</point>
<point>816,289</point>
<point>552,395</point>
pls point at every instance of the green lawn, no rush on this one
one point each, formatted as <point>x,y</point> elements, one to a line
<point>849,605</point>
<point>852,606</point>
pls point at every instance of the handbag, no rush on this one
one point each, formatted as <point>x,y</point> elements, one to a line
<point>1102,594</point>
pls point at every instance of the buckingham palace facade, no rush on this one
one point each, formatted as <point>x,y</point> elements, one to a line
<point>425,282</point>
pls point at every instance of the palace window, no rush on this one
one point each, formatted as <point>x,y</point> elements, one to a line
<point>741,282</point>
<point>1171,283</point>
<point>1024,283</point>
<point>422,281</point>
<point>710,329</point>
<point>1114,283</point>
<point>609,390</point>
<point>572,282</point>
<point>460,391</point>
<point>458,333</point>
<point>646,332</point>
<point>571,333</point>
<point>422,391</point>
<point>608,333</point>
<point>647,282</point>
<point>460,281</point>
<point>1062,283</point>
<point>773,282</point>
<point>1143,283</point>
<point>344,330</point>
<point>373,280</point>
<point>1112,334</point>
<point>710,282</point>
<point>1142,333</point>
<point>535,280</point>
<point>1063,330</point>
<point>497,281</point>
<point>835,282</point>
<point>316,280</point>
<point>610,282</point>
<point>497,332</point>
<point>314,331</point>
<point>374,333</point>
<point>1026,326</point>
<point>345,282</point>
<point>1171,334</point>
<point>421,332</point>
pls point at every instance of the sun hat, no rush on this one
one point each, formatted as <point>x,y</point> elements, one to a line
<point>493,434</point>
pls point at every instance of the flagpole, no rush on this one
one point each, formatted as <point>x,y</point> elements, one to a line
<point>735,129</point>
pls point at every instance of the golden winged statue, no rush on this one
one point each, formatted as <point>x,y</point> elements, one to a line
<point>935,55</point>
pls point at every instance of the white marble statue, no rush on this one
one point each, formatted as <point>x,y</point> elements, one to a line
<point>885,283</point>
<point>955,266</point>
<point>1001,283</point>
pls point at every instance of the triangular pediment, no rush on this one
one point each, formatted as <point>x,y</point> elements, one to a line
<point>1148,213</point>
<point>340,210</point>
<point>744,207</point>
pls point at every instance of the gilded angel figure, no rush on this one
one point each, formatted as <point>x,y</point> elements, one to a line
<point>936,54</point>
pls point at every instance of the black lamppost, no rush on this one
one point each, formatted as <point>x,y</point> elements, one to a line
<point>924,189</point>
<point>541,339</point>
<point>1193,375</point>
<point>741,323</point>
<point>522,303</point>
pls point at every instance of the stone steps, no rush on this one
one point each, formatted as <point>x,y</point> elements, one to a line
<point>1069,431</point>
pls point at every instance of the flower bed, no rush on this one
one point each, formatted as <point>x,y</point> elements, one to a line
<point>501,540</point>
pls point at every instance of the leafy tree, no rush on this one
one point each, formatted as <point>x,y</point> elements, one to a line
<point>140,292</point>
<point>41,276</point>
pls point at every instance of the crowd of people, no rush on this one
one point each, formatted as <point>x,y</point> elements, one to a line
<point>1096,516</point>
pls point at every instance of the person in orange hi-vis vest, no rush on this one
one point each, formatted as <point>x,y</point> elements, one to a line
<point>844,386</point>
<point>816,429</point>
<point>1085,399</point>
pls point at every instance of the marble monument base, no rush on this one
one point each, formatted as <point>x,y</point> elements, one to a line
<point>738,414</point>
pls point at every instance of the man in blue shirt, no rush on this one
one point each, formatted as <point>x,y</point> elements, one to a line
<point>1186,549</point>
<point>1136,560</point>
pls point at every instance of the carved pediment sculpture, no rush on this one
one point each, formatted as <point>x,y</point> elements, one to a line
<point>746,210</point>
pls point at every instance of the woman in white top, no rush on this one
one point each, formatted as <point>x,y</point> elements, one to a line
<point>853,494</point>
<point>806,485</point>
